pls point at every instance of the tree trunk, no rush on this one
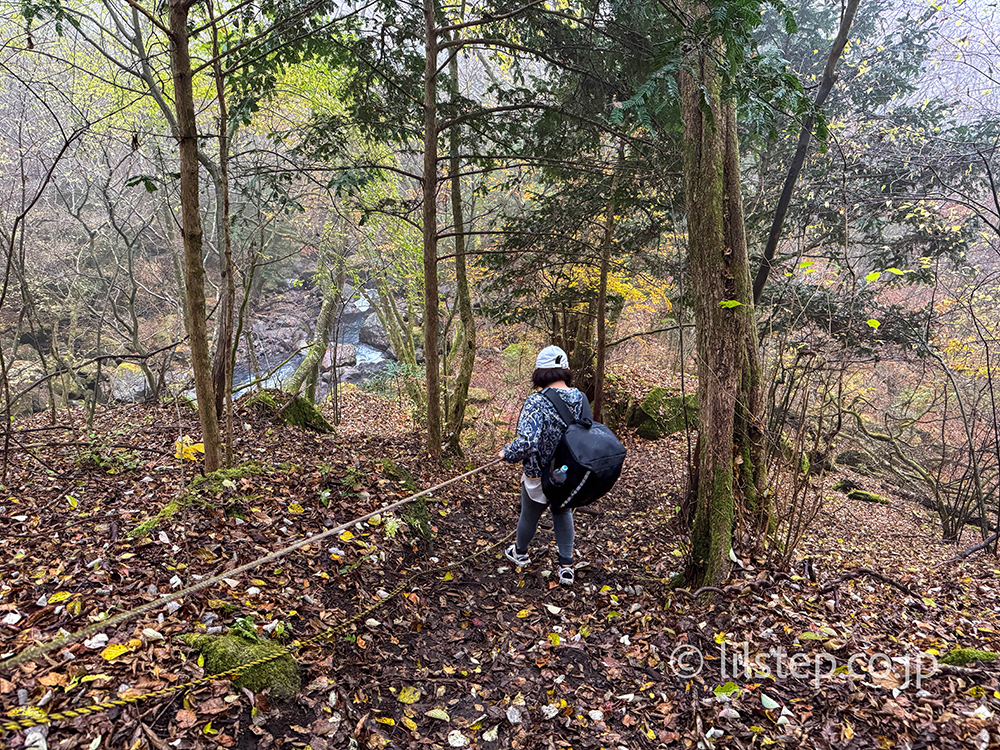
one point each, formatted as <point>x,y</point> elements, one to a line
<point>309,367</point>
<point>805,136</point>
<point>194,269</point>
<point>602,294</point>
<point>430,233</point>
<point>467,334</point>
<point>222,367</point>
<point>723,307</point>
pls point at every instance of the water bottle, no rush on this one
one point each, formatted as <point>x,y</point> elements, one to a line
<point>559,475</point>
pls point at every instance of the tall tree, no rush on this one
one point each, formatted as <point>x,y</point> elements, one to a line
<point>194,267</point>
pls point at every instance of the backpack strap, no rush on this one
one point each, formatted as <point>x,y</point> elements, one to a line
<point>562,407</point>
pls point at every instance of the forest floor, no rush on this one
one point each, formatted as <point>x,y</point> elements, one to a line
<point>483,655</point>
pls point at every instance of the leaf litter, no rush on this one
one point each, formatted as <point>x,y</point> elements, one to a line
<point>492,657</point>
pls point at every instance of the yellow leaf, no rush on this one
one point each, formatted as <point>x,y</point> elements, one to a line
<point>346,536</point>
<point>296,508</point>
<point>386,720</point>
<point>59,596</point>
<point>408,695</point>
<point>74,607</point>
<point>207,729</point>
<point>554,639</point>
<point>448,577</point>
<point>115,650</point>
<point>409,723</point>
<point>72,501</point>
<point>524,613</point>
<point>438,713</point>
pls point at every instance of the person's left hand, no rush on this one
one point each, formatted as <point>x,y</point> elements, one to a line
<point>500,455</point>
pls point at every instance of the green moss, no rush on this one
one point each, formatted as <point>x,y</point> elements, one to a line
<point>844,485</point>
<point>398,473</point>
<point>225,652</point>
<point>961,656</point>
<point>868,497</point>
<point>417,518</point>
<point>144,528</point>
<point>297,411</point>
<point>479,396</point>
<point>215,481</point>
<point>301,412</point>
<point>264,400</point>
<point>662,413</point>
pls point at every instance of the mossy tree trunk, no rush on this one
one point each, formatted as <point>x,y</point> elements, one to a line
<point>728,368</point>
<point>307,373</point>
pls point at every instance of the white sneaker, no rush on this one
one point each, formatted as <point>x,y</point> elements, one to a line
<point>519,560</point>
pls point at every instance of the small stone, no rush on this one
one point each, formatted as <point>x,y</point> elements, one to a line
<point>253,591</point>
<point>172,607</point>
<point>596,715</point>
<point>514,715</point>
<point>152,590</point>
<point>729,713</point>
<point>550,711</point>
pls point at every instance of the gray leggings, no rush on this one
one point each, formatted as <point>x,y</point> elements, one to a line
<point>562,521</point>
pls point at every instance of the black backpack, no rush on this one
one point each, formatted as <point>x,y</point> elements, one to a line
<point>591,454</point>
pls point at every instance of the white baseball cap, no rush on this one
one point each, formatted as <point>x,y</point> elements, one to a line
<point>551,358</point>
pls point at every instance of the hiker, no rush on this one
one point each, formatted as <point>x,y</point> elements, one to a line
<point>539,430</point>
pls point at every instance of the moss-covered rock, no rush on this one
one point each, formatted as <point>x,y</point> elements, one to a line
<point>479,396</point>
<point>868,497</point>
<point>297,411</point>
<point>225,652</point>
<point>662,413</point>
<point>844,485</point>
<point>961,656</point>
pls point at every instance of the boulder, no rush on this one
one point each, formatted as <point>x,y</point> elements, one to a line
<point>479,396</point>
<point>662,413</point>
<point>129,384</point>
<point>373,333</point>
<point>350,375</point>
<point>347,356</point>
<point>21,374</point>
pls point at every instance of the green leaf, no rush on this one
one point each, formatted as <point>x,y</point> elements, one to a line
<point>727,303</point>
<point>730,689</point>
<point>873,323</point>
<point>873,276</point>
<point>768,702</point>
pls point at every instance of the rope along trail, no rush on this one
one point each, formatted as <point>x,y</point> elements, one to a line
<point>31,718</point>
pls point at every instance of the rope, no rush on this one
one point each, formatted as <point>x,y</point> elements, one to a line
<point>28,716</point>
<point>33,652</point>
